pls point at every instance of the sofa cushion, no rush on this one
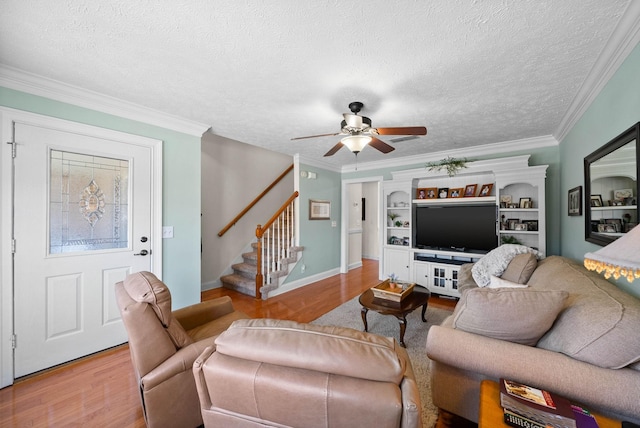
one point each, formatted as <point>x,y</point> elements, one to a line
<point>512,314</point>
<point>600,324</point>
<point>497,282</point>
<point>495,262</point>
<point>313,347</point>
<point>520,268</point>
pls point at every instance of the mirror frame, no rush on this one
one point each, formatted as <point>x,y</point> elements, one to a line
<point>619,141</point>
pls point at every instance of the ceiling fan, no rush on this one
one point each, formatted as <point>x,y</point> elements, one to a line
<point>359,133</point>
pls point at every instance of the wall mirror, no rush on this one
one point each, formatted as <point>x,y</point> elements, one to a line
<point>611,188</point>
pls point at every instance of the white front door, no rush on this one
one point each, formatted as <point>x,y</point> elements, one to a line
<point>82,221</point>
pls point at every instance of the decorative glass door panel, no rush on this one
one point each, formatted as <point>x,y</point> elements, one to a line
<point>439,277</point>
<point>88,203</point>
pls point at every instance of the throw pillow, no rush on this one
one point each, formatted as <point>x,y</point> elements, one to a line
<point>496,261</point>
<point>503,283</point>
<point>511,314</point>
<point>520,268</point>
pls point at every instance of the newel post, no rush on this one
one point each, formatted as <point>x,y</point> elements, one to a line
<point>259,277</point>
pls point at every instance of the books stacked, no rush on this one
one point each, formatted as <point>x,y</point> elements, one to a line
<point>528,407</point>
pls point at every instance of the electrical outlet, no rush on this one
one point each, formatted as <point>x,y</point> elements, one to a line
<point>167,232</point>
<point>303,268</point>
<point>334,224</point>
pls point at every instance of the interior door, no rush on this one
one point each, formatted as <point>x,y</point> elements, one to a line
<point>82,222</point>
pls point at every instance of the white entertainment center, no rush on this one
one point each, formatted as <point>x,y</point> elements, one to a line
<point>516,189</point>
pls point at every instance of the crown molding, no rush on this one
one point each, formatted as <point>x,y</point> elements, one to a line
<point>524,144</point>
<point>33,84</point>
<point>623,40</point>
<point>316,163</point>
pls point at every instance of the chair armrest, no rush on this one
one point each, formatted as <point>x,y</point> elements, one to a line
<point>179,362</point>
<point>200,313</point>
<point>576,380</point>
<point>198,374</point>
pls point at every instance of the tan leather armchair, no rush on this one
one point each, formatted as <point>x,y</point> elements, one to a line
<point>164,345</point>
<point>265,372</point>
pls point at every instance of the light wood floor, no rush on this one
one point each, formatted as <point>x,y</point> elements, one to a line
<point>101,390</point>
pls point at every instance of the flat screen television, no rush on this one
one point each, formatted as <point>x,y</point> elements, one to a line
<point>466,228</point>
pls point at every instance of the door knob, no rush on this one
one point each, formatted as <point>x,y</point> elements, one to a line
<point>144,239</point>
<point>142,253</point>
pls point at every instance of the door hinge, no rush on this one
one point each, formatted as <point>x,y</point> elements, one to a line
<point>14,341</point>
<point>13,246</point>
<point>13,148</point>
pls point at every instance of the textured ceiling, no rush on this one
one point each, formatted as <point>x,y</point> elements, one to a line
<point>261,72</point>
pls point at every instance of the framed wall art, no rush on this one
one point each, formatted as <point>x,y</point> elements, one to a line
<point>319,210</point>
<point>575,201</point>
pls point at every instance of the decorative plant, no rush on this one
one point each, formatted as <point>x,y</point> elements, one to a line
<point>398,223</point>
<point>393,279</point>
<point>452,165</point>
<point>509,240</point>
<point>392,216</point>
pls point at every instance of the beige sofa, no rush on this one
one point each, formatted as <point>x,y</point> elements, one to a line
<point>579,334</point>
<point>266,372</point>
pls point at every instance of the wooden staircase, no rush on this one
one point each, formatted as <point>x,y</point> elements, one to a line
<point>243,278</point>
<point>273,254</point>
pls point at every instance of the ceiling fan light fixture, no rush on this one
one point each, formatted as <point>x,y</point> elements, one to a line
<point>356,143</point>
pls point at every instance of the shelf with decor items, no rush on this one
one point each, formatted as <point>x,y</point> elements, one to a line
<point>474,192</point>
<point>521,202</point>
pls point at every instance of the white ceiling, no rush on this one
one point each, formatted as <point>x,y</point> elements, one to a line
<point>474,72</point>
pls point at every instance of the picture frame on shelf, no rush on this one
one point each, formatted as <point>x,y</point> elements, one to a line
<point>532,225</point>
<point>521,227</point>
<point>616,222</point>
<point>606,228</point>
<point>485,190</point>
<point>596,201</point>
<point>319,210</point>
<point>511,222</point>
<point>470,190</point>
<point>421,193</point>
<point>526,203</point>
<point>505,201</point>
<point>431,192</point>
<point>455,192</point>
<point>443,192</point>
<point>575,201</point>
<point>621,194</point>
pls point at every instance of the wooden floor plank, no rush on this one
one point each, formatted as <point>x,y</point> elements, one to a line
<point>101,390</point>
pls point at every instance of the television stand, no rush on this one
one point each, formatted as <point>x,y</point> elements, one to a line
<point>438,269</point>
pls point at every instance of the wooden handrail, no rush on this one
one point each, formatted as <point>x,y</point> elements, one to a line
<point>255,201</point>
<point>261,229</point>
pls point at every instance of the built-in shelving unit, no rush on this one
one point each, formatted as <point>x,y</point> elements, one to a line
<point>438,269</point>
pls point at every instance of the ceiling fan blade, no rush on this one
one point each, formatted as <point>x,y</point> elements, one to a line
<point>315,136</point>
<point>334,149</point>
<point>404,130</point>
<point>381,145</point>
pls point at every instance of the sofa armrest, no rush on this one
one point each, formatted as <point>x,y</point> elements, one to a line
<point>179,362</point>
<point>201,383</point>
<point>601,388</point>
<point>200,313</point>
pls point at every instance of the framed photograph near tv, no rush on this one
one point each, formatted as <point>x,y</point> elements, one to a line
<point>525,203</point>
<point>443,192</point>
<point>470,190</point>
<point>575,201</point>
<point>455,192</point>
<point>596,200</point>
<point>485,190</point>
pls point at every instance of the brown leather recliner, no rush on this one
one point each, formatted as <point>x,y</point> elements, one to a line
<point>164,345</point>
<point>265,372</point>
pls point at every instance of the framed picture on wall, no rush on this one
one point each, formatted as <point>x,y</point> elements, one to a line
<point>319,210</point>
<point>575,201</point>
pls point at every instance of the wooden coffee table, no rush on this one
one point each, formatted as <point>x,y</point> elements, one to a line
<point>418,297</point>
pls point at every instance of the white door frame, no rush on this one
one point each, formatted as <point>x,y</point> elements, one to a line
<point>344,221</point>
<point>7,117</point>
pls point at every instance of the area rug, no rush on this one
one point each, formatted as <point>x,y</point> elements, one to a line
<point>415,337</point>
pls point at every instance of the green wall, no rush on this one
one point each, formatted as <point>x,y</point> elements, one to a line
<point>614,110</point>
<point>320,240</point>
<point>181,186</point>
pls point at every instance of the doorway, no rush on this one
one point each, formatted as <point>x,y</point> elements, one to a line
<point>80,211</point>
